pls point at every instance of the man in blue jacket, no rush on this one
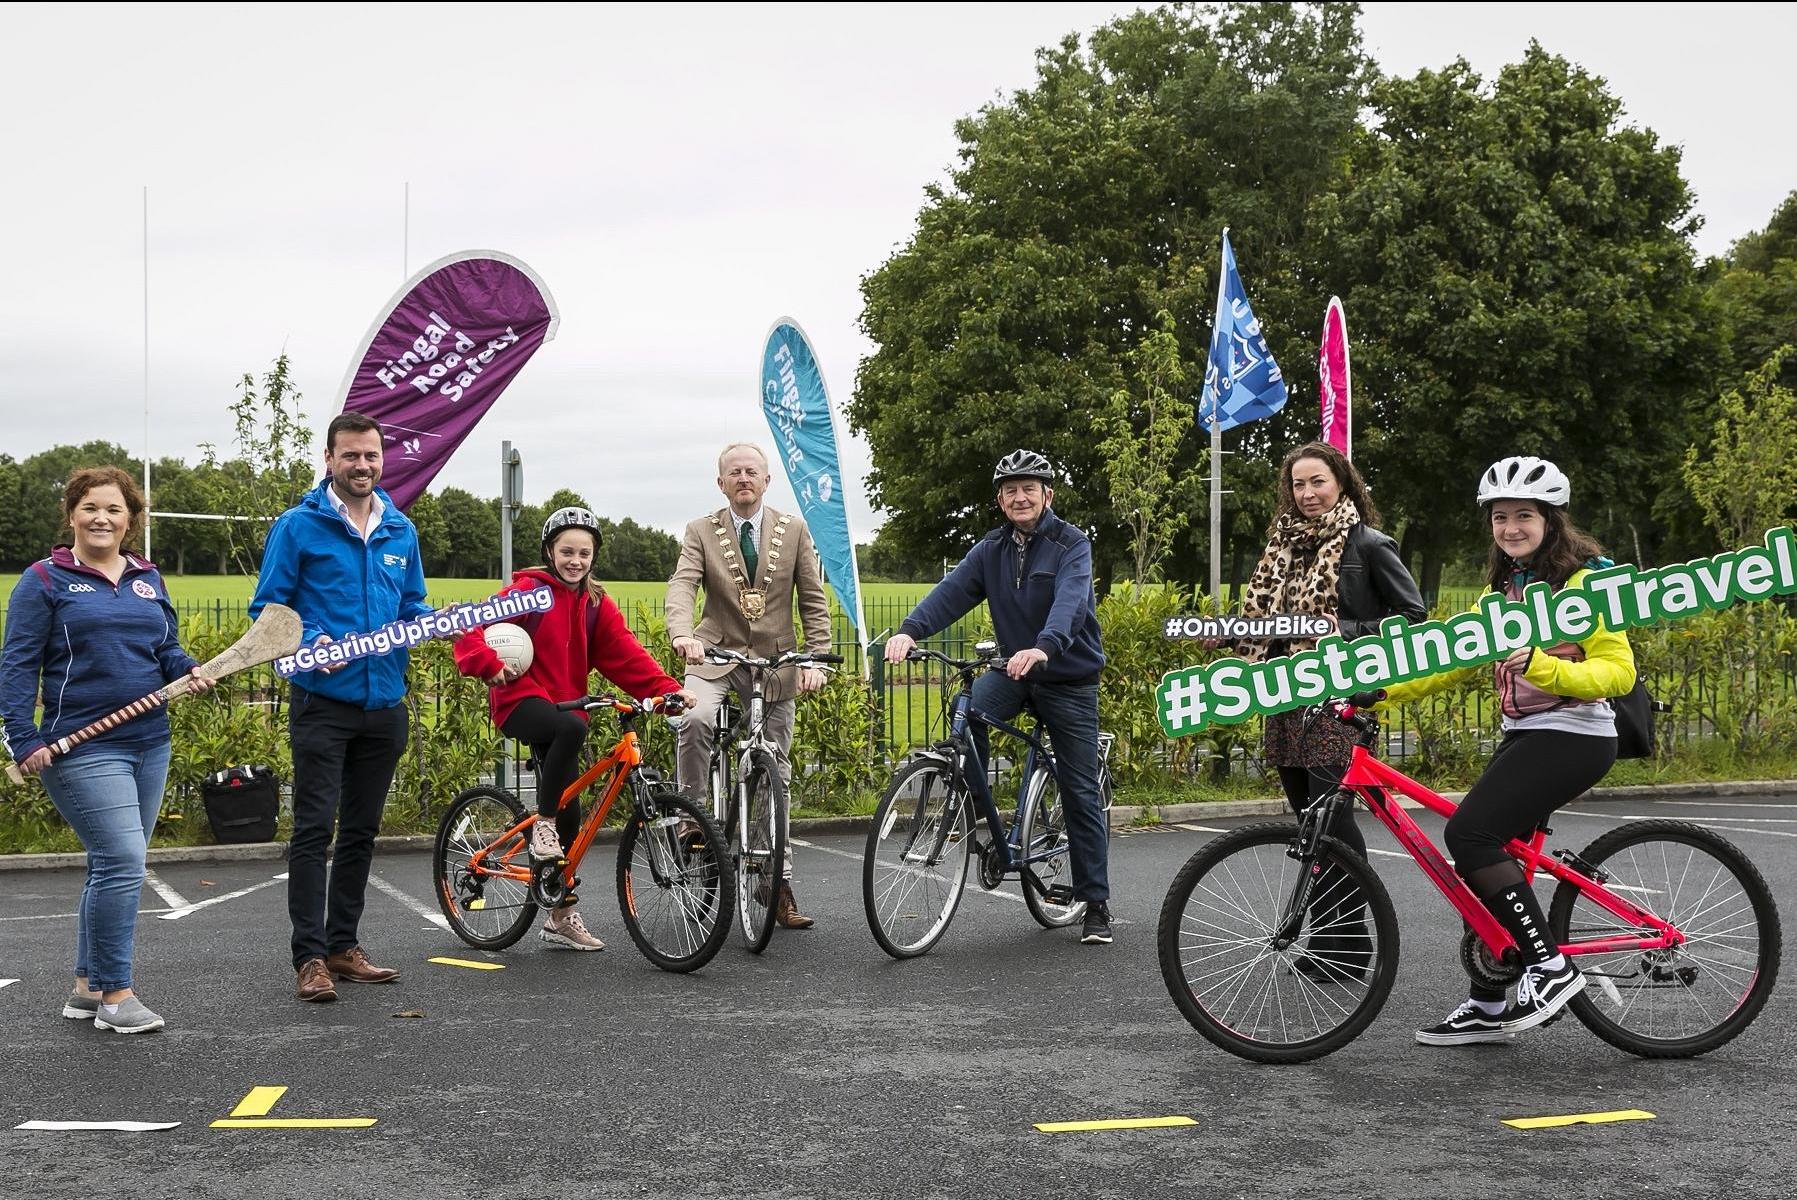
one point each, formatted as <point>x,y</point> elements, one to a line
<point>1035,575</point>
<point>346,559</point>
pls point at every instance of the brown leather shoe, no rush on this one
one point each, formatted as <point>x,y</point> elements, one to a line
<point>353,965</point>
<point>786,910</point>
<point>315,982</point>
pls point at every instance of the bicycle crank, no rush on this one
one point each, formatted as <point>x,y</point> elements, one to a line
<point>549,888</point>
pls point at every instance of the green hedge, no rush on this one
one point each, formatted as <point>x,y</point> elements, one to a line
<point>1729,674</point>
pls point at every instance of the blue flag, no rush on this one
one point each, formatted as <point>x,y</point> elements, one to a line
<point>804,425</point>
<point>1242,382</point>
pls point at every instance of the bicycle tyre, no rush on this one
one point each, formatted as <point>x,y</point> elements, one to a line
<point>759,867</point>
<point>474,820</point>
<point>675,892</point>
<point>1045,821</point>
<point>1254,1011</point>
<point>1660,862</point>
<point>910,815</point>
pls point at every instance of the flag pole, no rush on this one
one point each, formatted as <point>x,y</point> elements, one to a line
<point>1216,445</point>
<point>147,502</point>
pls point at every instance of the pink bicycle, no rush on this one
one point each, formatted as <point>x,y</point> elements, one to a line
<point>1674,928</point>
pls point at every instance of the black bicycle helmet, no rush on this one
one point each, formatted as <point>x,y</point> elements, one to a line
<point>1023,464</point>
<point>570,518</point>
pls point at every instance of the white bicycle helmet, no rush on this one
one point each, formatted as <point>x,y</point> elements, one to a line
<point>1525,477</point>
<point>570,518</point>
<point>1023,464</point>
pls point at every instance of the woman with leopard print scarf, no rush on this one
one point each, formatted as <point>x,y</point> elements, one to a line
<point>1325,558</point>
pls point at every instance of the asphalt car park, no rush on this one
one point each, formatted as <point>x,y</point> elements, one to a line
<point>822,1067</point>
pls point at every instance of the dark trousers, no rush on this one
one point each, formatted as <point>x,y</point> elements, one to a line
<point>1070,711</point>
<point>344,757</point>
<point>555,739</point>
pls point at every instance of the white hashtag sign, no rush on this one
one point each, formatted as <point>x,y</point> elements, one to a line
<point>1182,704</point>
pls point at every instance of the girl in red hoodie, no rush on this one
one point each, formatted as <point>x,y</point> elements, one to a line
<point>584,632</point>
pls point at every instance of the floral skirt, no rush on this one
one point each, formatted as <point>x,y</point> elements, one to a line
<point>1286,742</point>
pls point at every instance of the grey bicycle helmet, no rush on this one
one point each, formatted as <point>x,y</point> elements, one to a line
<point>570,518</point>
<point>1023,464</point>
<point>1525,477</point>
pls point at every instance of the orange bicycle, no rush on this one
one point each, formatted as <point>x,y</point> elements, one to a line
<point>675,889</point>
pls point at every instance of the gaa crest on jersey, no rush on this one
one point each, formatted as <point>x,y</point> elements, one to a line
<point>142,587</point>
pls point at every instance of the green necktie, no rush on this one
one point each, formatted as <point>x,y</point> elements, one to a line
<point>749,556</point>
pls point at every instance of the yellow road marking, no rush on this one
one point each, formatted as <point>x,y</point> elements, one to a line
<point>1124,1123</point>
<point>468,962</point>
<point>258,1102</point>
<point>1596,1118</point>
<point>252,1113</point>
<point>285,1123</point>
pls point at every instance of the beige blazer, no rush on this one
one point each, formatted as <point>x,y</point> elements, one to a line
<point>786,550</point>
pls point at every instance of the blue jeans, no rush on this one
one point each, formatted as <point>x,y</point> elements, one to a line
<point>1070,712</point>
<point>110,797</point>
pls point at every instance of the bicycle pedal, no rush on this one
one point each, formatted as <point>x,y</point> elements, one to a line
<point>1060,895</point>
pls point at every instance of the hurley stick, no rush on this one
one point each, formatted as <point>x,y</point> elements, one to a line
<point>275,633</point>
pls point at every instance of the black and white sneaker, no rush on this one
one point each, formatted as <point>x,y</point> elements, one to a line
<point>1541,994</point>
<point>1097,930</point>
<point>1464,1026</point>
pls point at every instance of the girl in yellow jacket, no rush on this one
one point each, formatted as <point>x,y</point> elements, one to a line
<point>1559,739</point>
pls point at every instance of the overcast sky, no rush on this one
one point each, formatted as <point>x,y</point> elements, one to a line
<point>678,176</point>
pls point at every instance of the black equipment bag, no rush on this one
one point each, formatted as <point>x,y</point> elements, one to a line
<point>1634,721</point>
<point>242,804</point>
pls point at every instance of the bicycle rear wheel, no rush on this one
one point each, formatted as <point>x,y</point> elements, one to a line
<point>484,907</point>
<point>760,854</point>
<point>1045,832</point>
<point>915,865</point>
<point>1689,999</point>
<point>1232,980</point>
<point>674,889</point>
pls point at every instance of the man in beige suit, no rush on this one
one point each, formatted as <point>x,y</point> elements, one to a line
<point>752,563</point>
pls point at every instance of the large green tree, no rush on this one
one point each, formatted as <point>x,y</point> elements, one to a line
<point>1519,279</point>
<point>1080,208</point>
<point>1756,287</point>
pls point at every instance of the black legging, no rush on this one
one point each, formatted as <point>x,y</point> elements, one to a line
<point>1532,773</point>
<point>1304,786</point>
<point>555,739</point>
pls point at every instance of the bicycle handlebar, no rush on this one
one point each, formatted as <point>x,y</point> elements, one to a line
<point>670,705</point>
<point>803,658</point>
<point>989,662</point>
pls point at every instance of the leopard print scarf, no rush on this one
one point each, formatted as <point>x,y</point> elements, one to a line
<point>1298,573</point>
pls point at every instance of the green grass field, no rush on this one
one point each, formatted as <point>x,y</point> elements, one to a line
<point>885,603</point>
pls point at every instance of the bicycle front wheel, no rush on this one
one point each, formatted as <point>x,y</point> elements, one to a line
<point>487,902</point>
<point>1045,832</point>
<point>760,852</point>
<point>1688,999</point>
<point>915,865</point>
<point>674,888</point>
<point>1224,964</point>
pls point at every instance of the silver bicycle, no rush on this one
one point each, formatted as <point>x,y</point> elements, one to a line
<point>747,794</point>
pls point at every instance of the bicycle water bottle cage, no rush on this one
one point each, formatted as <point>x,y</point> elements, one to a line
<point>1573,859</point>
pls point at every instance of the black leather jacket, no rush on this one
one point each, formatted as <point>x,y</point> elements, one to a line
<point>1373,584</point>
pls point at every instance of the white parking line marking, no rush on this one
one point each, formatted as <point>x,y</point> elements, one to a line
<point>169,895</point>
<point>1604,816</point>
<point>4,982</point>
<point>142,912</point>
<point>1198,828</point>
<point>112,1126</point>
<point>417,906</point>
<point>178,913</point>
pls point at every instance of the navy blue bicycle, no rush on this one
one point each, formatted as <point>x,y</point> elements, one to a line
<point>938,816</point>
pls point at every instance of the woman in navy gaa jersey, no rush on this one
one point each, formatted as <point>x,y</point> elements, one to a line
<point>90,629</point>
